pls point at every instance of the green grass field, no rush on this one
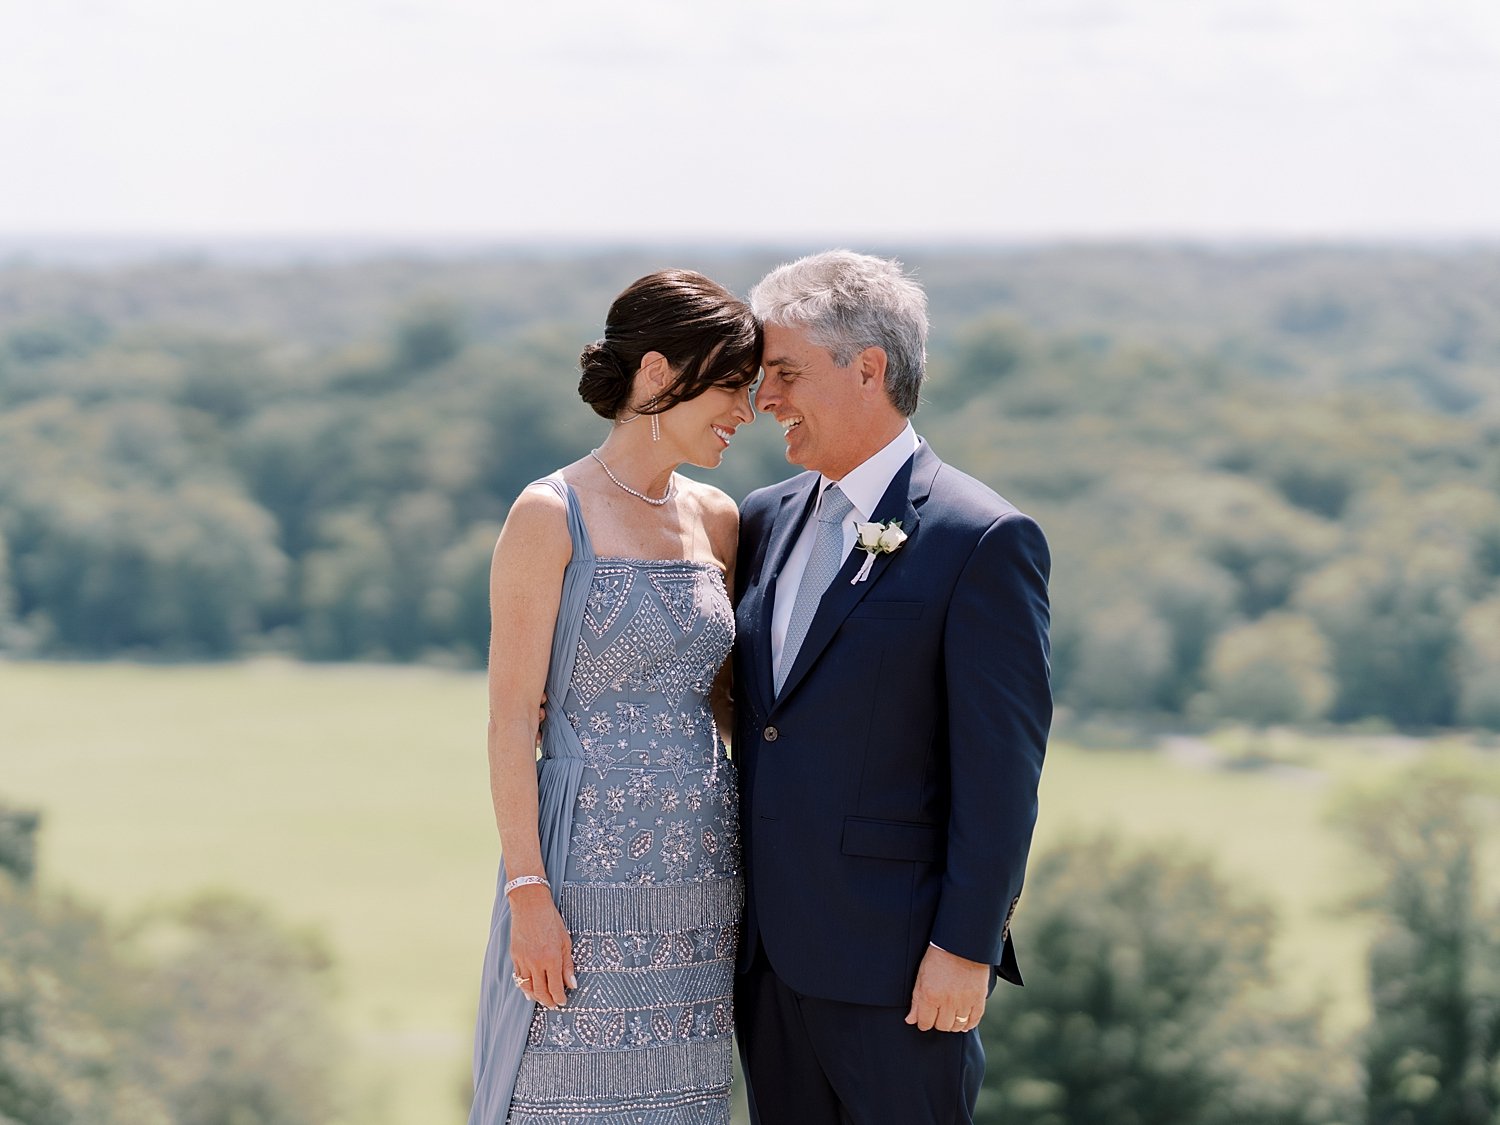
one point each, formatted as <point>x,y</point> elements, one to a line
<point>355,800</point>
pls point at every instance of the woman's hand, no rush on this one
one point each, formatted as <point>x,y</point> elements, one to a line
<point>540,948</point>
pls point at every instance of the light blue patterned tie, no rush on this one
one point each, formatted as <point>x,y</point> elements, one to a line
<point>824,562</point>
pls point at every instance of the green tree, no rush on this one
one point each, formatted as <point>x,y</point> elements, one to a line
<point>65,1055</point>
<point>1195,600</point>
<point>238,1026</point>
<point>458,607</point>
<point>348,590</point>
<point>1150,998</point>
<point>207,1013</point>
<point>1274,670</point>
<point>18,828</point>
<point>1391,605</point>
<point>1432,1053</point>
<point>293,457</point>
<point>532,417</point>
<point>118,541</point>
<point>6,598</point>
<point>413,526</point>
<point>1479,664</point>
<point>180,570</point>
<point>224,380</point>
<point>990,349</point>
<point>1121,659</point>
<point>1393,627</point>
<point>428,336</point>
<point>1259,539</point>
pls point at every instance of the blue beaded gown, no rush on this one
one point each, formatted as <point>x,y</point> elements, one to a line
<point>640,840</point>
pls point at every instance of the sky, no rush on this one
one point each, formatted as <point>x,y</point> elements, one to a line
<point>771,121</point>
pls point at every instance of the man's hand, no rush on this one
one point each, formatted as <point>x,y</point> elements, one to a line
<point>950,992</point>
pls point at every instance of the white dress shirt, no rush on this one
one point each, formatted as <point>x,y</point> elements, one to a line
<point>863,487</point>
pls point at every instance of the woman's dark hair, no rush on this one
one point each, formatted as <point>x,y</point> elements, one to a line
<point>708,335</point>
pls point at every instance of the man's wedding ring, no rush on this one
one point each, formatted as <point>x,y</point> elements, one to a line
<point>960,1019</point>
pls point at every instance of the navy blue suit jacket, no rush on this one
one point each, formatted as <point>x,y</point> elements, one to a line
<point>888,794</point>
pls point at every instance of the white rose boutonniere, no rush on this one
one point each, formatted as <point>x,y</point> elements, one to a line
<point>876,539</point>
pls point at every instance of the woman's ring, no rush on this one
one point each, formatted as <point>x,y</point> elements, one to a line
<point>519,979</point>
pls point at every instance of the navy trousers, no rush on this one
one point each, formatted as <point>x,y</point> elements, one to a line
<point>823,1062</point>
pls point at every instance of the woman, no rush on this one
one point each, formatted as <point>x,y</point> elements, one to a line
<point>608,980</point>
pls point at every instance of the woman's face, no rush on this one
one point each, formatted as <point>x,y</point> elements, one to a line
<point>703,427</point>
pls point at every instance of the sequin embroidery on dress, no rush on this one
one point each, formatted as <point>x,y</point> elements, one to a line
<point>653,892</point>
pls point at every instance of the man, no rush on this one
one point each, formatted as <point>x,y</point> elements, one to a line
<point>893,705</point>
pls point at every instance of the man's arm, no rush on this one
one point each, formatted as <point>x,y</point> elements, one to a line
<point>999,710</point>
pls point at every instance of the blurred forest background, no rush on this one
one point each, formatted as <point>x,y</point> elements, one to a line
<point>1271,482</point>
<point>1271,477</point>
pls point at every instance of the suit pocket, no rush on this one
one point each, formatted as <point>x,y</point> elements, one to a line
<point>891,839</point>
<point>906,610</point>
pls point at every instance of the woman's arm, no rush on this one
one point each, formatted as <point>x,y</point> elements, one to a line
<point>525,591</point>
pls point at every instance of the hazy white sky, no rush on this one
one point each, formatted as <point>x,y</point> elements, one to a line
<point>829,119</point>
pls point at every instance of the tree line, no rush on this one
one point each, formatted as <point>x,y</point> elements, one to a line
<point>1155,997</point>
<point>1152,996</point>
<point>209,1011</point>
<point>1270,478</point>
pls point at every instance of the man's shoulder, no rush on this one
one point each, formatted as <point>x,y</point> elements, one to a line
<point>974,520</point>
<point>968,499</point>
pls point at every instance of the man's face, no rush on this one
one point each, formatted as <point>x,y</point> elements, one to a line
<point>819,405</point>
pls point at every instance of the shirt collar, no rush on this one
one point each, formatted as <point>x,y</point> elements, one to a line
<point>866,484</point>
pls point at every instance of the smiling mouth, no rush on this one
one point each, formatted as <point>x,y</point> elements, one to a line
<point>722,434</point>
<point>788,425</point>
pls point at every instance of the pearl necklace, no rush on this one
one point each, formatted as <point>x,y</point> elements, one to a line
<point>653,501</point>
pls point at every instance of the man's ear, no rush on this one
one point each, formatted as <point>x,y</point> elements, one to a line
<point>872,363</point>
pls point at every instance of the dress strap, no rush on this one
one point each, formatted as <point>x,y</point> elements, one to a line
<point>578,579</point>
<point>583,546</point>
<point>505,1014</point>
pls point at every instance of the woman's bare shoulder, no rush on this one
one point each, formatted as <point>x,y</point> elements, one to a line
<point>537,521</point>
<point>720,516</point>
<point>709,498</point>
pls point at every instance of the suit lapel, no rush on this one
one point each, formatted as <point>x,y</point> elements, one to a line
<point>795,508</point>
<point>908,489</point>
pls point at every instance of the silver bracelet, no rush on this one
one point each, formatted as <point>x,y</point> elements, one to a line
<point>527,881</point>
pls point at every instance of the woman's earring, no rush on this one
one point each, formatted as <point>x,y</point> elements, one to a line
<point>655,422</point>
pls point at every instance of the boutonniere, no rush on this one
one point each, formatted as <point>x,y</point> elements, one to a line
<point>876,539</point>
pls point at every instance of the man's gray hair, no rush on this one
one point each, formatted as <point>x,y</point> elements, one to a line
<point>847,302</point>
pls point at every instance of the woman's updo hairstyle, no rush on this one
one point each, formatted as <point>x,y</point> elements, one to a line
<point>707,334</point>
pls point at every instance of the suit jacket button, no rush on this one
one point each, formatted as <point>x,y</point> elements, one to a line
<point>770,734</point>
